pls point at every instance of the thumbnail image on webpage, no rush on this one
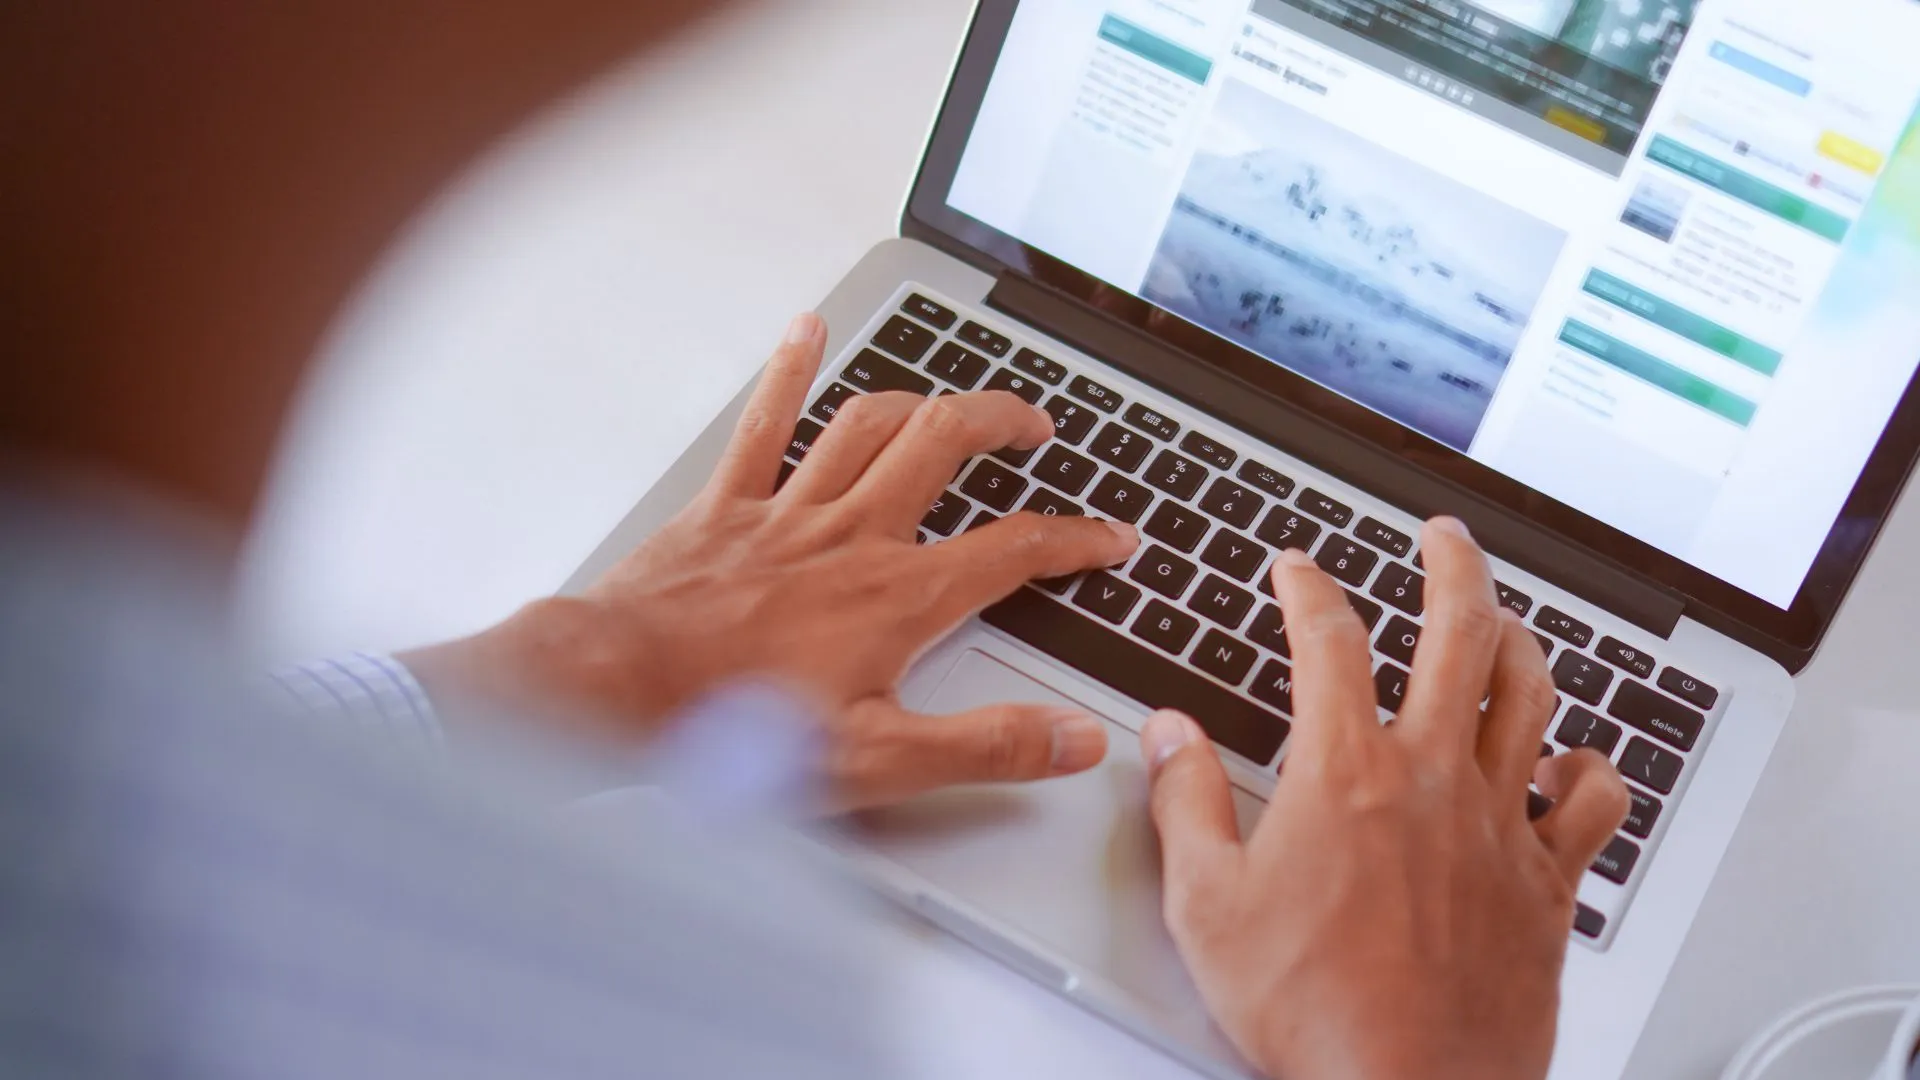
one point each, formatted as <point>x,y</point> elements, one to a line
<point>1580,75</point>
<point>1351,265</point>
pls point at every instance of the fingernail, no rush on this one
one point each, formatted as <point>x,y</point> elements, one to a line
<point>1079,742</point>
<point>1165,734</point>
<point>804,328</point>
<point>1295,558</point>
<point>1452,525</point>
<point>1046,416</point>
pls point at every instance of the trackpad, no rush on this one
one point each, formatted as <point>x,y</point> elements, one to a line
<point>1072,862</point>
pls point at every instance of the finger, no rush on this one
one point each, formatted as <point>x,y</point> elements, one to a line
<point>1333,699</point>
<point>752,458</point>
<point>1192,805</point>
<point>942,435</point>
<point>1522,704</point>
<point>1590,803</point>
<point>860,430</point>
<point>892,753</point>
<point>979,567</point>
<point>1454,659</point>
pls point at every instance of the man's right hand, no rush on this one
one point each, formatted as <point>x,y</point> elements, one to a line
<point>1394,914</point>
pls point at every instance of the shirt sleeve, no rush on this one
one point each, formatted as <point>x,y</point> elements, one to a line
<point>375,694</point>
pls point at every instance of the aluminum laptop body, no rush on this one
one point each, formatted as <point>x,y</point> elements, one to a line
<point>1235,416</point>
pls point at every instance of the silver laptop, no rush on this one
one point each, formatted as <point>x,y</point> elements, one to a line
<point>1627,286</point>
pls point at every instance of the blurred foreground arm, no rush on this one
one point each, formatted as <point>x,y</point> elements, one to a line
<point>1394,914</point>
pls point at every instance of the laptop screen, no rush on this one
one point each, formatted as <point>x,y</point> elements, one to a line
<point>1656,259</point>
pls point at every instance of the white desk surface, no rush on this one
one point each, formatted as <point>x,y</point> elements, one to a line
<point>552,335</point>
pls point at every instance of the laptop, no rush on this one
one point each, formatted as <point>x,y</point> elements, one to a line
<point>1626,286</point>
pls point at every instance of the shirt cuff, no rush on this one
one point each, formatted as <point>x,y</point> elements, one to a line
<point>376,694</point>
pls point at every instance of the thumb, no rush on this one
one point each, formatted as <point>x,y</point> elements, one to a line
<point>1192,809</point>
<point>908,753</point>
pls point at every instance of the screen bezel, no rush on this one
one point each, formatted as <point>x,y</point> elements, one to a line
<point>1789,635</point>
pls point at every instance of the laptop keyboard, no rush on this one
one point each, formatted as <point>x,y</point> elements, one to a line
<point>1190,621</point>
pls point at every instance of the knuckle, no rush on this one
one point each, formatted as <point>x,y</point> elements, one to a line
<point>1002,747</point>
<point>1337,628</point>
<point>1474,622</point>
<point>945,420</point>
<point>1534,692</point>
<point>757,421</point>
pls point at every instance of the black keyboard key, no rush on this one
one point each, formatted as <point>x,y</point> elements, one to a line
<point>1176,525</point>
<point>987,341</point>
<point>946,514</point>
<point>1175,475</point>
<point>1151,422</point>
<point>1208,450</point>
<point>1274,685</point>
<point>1232,503</point>
<point>1658,715</point>
<point>1120,498</point>
<point>1058,586</point>
<point>1047,371</point>
<point>983,518</point>
<point>1284,528</point>
<point>1140,673</point>
<point>1234,554</point>
<point>1588,922</point>
<point>1653,766</point>
<point>830,401</point>
<point>905,339</point>
<point>1617,859</point>
<point>1272,482</point>
<point>929,312</point>
<point>1107,596</point>
<point>1029,391</point>
<point>1071,422</point>
<point>1120,448</point>
<point>1520,602</point>
<point>1564,626</point>
<point>1163,571</point>
<point>994,485</point>
<point>1643,810</point>
<point>1016,458</point>
<point>1546,643</point>
<point>786,473</point>
<point>1399,639</point>
<point>1390,687</point>
<point>1224,658</point>
<point>1687,688</point>
<point>1221,601</point>
<point>1094,394</point>
<point>872,372</point>
<point>1329,510</point>
<point>1537,804</point>
<point>1583,727</point>
<point>1166,627</point>
<point>1368,611</point>
<point>804,433</point>
<point>1346,560</point>
<point>1383,536</point>
<point>1065,470</point>
<point>961,367</point>
<point>1580,676</point>
<point>1402,588</point>
<point>1269,630</point>
<point>1044,501</point>
<point>1625,657</point>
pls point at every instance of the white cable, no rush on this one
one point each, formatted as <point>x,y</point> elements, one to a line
<point>1789,1031</point>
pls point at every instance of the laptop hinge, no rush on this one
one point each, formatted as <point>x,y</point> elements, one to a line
<point>1374,469</point>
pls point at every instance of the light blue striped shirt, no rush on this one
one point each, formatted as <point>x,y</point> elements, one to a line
<point>200,882</point>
